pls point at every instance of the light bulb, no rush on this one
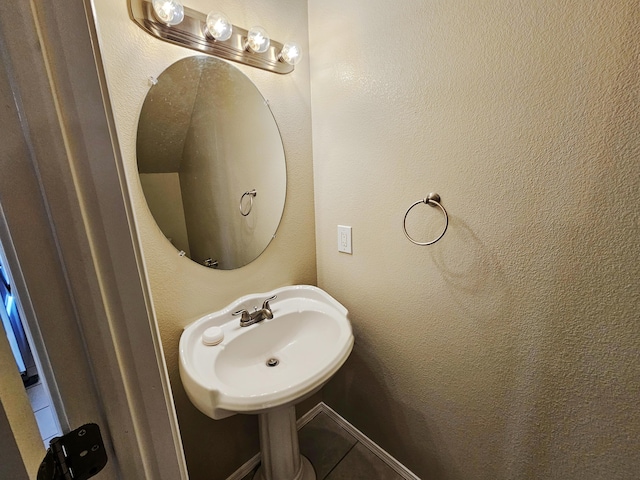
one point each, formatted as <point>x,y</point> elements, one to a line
<point>258,40</point>
<point>218,26</point>
<point>169,12</point>
<point>291,53</point>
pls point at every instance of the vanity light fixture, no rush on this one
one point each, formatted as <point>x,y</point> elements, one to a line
<point>213,34</point>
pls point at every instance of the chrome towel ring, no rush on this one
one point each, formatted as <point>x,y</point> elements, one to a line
<point>433,199</point>
<point>251,194</point>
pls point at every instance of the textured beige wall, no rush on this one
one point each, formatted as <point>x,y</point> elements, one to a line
<point>20,434</point>
<point>182,290</point>
<point>510,348</point>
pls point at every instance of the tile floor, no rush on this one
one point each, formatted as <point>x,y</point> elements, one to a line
<point>336,455</point>
<point>43,410</point>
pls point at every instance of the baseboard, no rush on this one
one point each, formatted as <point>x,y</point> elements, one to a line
<point>310,415</point>
<point>245,469</point>
<point>322,407</point>
<point>373,447</point>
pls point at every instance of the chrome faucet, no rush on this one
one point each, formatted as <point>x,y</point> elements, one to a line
<point>256,316</point>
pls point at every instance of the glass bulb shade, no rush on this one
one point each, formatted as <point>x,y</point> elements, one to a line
<point>218,26</point>
<point>291,53</point>
<point>258,40</point>
<point>169,12</point>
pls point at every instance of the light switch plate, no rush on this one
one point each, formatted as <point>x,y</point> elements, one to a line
<point>344,239</point>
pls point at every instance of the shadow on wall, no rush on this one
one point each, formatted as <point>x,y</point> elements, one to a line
<point>482,292</point>
<point>393,433</point>
<point>429,415</point>
<point>476,280</point>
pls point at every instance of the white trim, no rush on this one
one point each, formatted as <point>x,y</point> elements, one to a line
<point>82,241</point>
<point>310,415</point>
<point>373,447</point>
<point>246,468</point>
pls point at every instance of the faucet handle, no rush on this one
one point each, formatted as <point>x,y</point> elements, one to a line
<point>246,316</point>
<point>265,304</point>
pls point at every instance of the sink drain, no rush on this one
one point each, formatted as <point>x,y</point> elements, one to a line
<point>272,362</point>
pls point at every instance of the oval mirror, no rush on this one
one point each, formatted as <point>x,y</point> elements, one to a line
<point>211,162</point>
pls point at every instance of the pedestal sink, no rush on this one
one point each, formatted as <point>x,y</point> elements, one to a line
<point>268,367</point>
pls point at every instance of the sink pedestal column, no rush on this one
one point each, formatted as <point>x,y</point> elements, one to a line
<point>280,452</point>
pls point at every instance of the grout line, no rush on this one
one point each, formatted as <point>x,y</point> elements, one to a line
<point>340,461</point>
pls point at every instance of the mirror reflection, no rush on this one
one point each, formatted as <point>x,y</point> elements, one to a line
<point>211,162</point>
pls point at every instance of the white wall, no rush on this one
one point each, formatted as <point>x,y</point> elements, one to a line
<point>181,289</point>
<point>510,348</point>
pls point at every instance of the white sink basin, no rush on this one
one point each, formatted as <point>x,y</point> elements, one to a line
<point>309,335</point>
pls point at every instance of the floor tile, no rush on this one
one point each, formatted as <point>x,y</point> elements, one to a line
<point>324,443</point>
<point>37,396</point>
<point>46,422</point>
<point>361,464</point>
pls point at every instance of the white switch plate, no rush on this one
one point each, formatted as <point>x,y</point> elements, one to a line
<point>344,239</point>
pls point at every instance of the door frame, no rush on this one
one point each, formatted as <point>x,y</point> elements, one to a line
<point>73,246</point>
